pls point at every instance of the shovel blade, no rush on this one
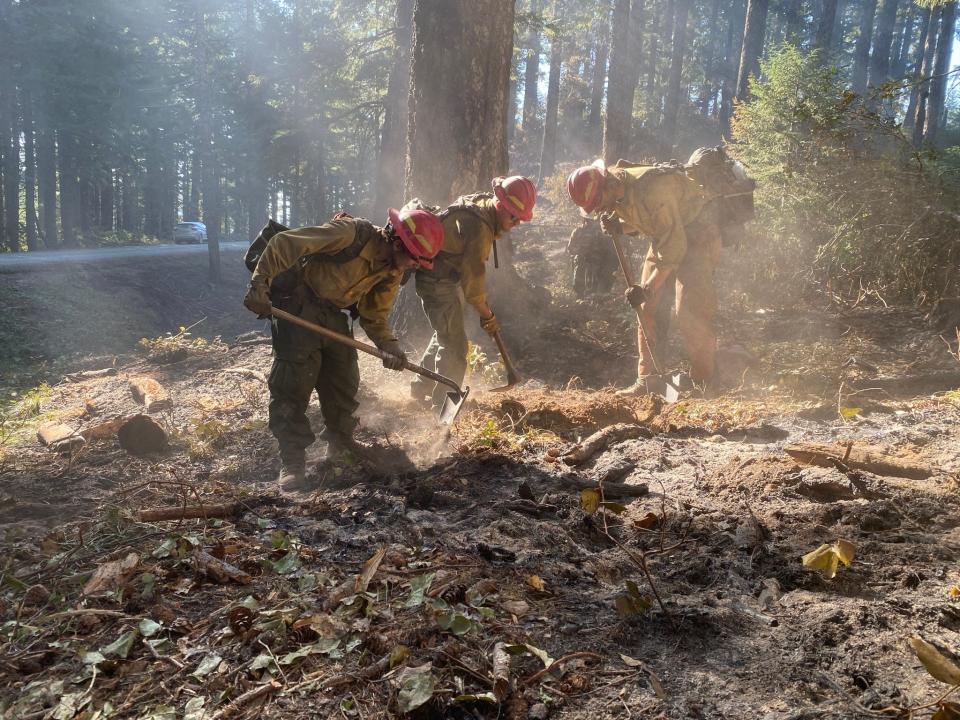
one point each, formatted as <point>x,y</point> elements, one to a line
<point>452,406</point>
<point>666,386</point>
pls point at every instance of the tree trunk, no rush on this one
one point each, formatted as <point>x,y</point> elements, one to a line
<point>548,149</point>
<point>731,63</point>
<point>898,64</point>
<point>205,152</point>
<point>69,187</point>
<point>601,53</point>
<point>531,75</point>
<point>462,51</point>
<point>926,69</point>
<point>617,124</point>
<point>882,40</point>
<point>792,21</point>
<point>711,64</point>
<point>652,104</point>
<point>29,171</point>
<point>823,38</point>
<point>393,135</point>
<point>10,134</point>
<point>861,51</point>
<point>47,183</point>
<point>938,84</point>
<point>671,105</point>
<point>753,32</point>
<point>927,26</point>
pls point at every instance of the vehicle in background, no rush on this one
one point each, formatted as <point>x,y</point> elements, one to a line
<point>190,232</point>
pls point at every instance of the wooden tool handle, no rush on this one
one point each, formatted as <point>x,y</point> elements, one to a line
<point>513,377</point>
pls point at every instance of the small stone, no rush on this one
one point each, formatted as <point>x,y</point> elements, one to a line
<point>538,712</point>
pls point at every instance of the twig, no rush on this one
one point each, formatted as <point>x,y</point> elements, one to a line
<point>641,562</point>
<point>556,663</point>
<point>246,699</point>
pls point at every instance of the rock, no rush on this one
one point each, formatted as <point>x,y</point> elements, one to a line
<point>150,393</point>
<point>611,469</point>
<point>141,435</point>
<point>824,486</point>
<point>770,594</point>
<point>58,437</point>
<point>538,712</point>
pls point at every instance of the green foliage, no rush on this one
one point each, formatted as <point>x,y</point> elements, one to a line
<point>843,199</point>
<point>172,347</point>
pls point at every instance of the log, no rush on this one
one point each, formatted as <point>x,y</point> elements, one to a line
<point>141,435</point>
<point>501,671</point>
<point>104,430</point>
<point>190,512</point>
<point>149,393</point>
<point>90,375</point>
<point>602,439</point>
<point>611,490</point>
<point>222,572</point>
<point>870,459</point>
<point>58,437</point>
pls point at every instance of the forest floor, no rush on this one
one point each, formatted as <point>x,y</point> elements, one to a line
<point>486,572</point>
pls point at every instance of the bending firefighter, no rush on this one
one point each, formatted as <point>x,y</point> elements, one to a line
<point>323,274</point>
<point>672,209</point>
<point>471,226</point>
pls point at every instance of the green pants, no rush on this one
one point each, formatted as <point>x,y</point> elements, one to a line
<point>447,351</point>
<point>304,361</point>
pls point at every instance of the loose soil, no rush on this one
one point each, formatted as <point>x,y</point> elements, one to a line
<point>480,536</point>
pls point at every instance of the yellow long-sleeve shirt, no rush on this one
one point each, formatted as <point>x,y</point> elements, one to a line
<point>468,241</point>
<point>659,206</point>
<point>366,281</point>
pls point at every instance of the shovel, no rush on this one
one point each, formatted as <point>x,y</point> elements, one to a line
<point>666,386</point>
<point>513,377</point>
<point>455,398</point>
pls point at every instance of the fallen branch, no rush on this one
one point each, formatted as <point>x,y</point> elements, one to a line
<point>189,512</point>
<point>247,699</point>
<point>242,371</point>
<point>611,490</point>
<point>825,455</point>
<point>602,439</point>
<point>556,663</point>
<point>219,570</point>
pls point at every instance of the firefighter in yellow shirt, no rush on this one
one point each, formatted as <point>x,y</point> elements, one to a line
<point>321,273</point>
<point>471,226</point>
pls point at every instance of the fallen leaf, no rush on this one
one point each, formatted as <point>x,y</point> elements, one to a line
<point>631,662</point>
<point>149,628</point>
<point>194,709</point>
<point>647,522</point>
<point>369,570</point>
<point>399,655</point>
<point>207,665</point>
<point>516,607</point>
<point>418,589</point>
<point>590,500</point>
<point>159,712</point>
<point>850,412</point>
<point>947,711</point>
<point>614,507</point>
<point>287,564</point>
<point>416,688</point>
<point>827,558</point>
<point>122,645</point>
<point>483,697</point>
<point>537,583</point>
<point>111,575</point>
<point>954,592</point>
<point>937,664</point>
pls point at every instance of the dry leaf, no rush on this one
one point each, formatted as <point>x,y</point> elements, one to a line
<point>110,576</point>
<point>647,522</point>
<point>936,663</point>
<point>954,592</point>
<point>827,558</point>
<point>537,583</point>
<point>369,570</point>
<point>850,412</point>
<point>947,711</point>
<point>515,607</point>
<point>590,500</point>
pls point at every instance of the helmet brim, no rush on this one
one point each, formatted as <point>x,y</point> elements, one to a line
<point>403,232</point>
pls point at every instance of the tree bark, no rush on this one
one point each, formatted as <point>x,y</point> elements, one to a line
<point>47,183</point>
<point>617,124</point>
<point>753,33</point>
<point>861,51</point>
<point>922,87</point>
<point>10,132</point>
<point>934,120</point>
<point>29,170</point>
<point>548,148</point>
<point>671,105</point>
<point>652,105</point>
<point>882,40</point>
<point>69,187</point>
<point>393,134</point>
<point>898,64</point>
<point>601,55</point>
<point>927,26</point>
<point>792,21</point>
<point>531,75</point>
<point>205,152</point>
<point>730,64</point>
<point>460,75</point>
<point>823,38</point>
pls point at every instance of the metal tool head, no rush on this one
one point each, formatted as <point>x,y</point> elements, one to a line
<point>668,387</point>
<point>452,405</point>
<point>512,379</point>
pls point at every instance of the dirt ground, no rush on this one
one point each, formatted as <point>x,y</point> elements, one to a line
<point>471,573</point>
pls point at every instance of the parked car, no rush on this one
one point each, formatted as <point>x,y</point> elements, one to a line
<point>190,232</point>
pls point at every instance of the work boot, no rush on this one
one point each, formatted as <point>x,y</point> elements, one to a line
<point>293,470</point>
<point>638,388</point>
<point>340,445</point>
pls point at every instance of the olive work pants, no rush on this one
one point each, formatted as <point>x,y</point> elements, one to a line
<point>447,352</point>
<point>304,361</point>
<point>696,304</point>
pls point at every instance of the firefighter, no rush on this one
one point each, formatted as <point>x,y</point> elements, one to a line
<point>593,258</point>
<point>471,226</point>
<point>321,273</point>
<point>673,210</point>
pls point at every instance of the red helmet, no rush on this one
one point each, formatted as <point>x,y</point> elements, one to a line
<point>421,233</point>
<point>585,185</point>
<point>517,195</point>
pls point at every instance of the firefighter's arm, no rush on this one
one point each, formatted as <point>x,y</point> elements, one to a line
<point>374,309</point>
<point>285,248</point>
<point>478,243</point>
<point>669,238</point>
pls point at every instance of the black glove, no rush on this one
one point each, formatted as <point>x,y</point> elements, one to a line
<point>610,224</point>
<point>395,358</point>
<point>257,299</point>
<point>636,295</point>
<point>491,325</point>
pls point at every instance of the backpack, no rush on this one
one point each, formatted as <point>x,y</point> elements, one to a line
<point>726,181</point>
<point>260,242</point>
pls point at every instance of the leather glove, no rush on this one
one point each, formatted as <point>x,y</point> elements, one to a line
<point>491,325</point>
<point>257,299</point>
<point>610,224</point>
<point>395,357</point>
<point>636,295</point>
